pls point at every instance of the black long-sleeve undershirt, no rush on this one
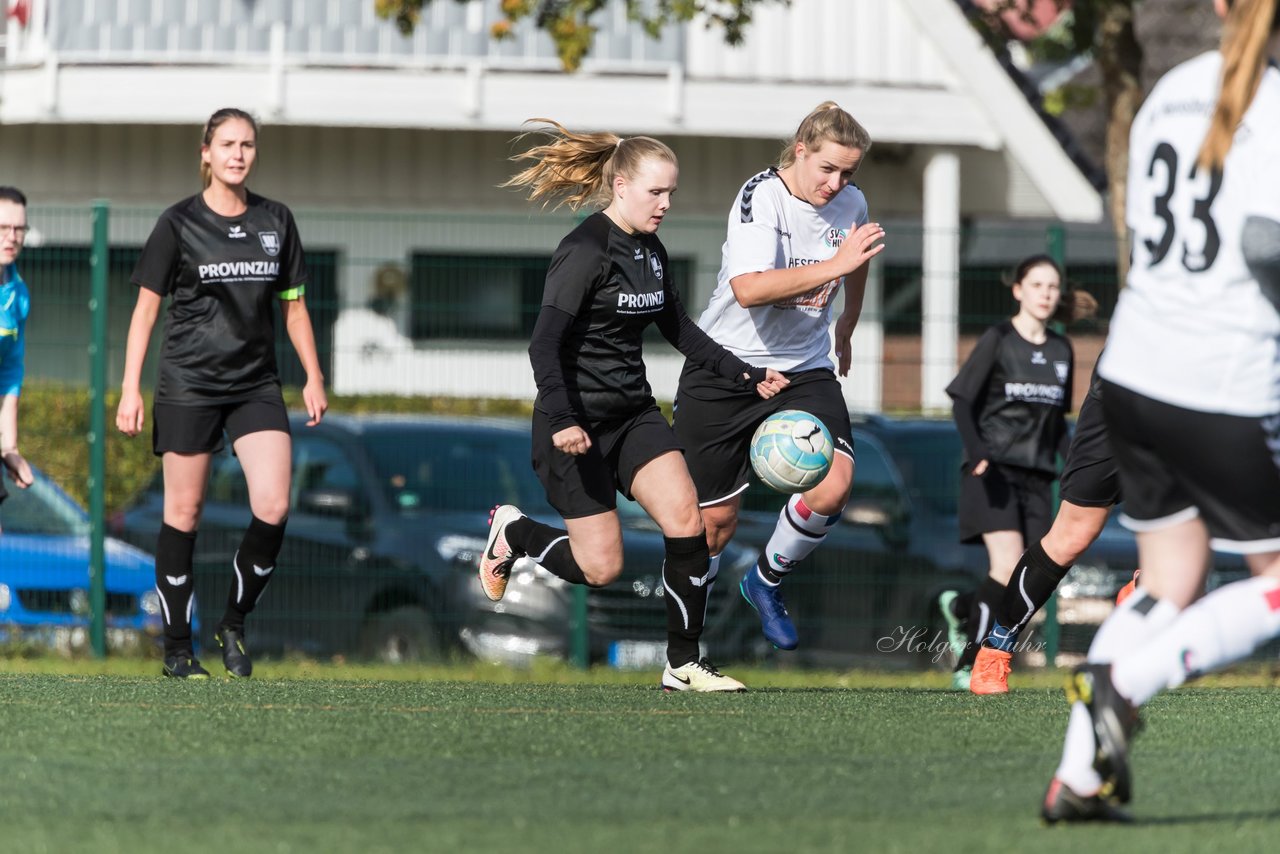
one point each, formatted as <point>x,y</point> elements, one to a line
<point>966,419</point>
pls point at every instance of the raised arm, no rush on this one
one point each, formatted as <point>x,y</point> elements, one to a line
<point>766,287</point>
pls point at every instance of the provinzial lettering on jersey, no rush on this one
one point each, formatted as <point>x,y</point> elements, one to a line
<point>226,269</point>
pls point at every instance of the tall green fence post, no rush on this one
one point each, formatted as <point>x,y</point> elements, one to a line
<point>1055,248</point>
<point>579,654</point>
<point>98,432</point>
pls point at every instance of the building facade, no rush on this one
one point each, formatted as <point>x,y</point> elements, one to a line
<point>390,150</point>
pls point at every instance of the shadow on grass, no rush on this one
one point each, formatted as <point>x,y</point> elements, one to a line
<point>1206,818</point>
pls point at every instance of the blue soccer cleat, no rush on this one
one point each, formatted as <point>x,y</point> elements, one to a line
<point>766,598</point>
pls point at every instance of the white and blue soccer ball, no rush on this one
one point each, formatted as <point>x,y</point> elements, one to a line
<point>791,451</point>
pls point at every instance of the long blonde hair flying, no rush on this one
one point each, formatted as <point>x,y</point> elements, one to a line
<point>577,169</point>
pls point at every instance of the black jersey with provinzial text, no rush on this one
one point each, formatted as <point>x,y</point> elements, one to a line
<point>1020,393</point>
<point>223,274</point>
<point>613,285</point>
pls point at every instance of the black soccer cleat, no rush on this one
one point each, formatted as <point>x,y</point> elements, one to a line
<point>1063,804</point>
<point>183,665</point>
<point>234,656</point>
<point>1115,723</point>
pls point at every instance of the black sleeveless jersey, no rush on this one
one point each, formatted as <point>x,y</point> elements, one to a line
<point>613,285</point>
<point>223,274</point>
<point>1020,393</point>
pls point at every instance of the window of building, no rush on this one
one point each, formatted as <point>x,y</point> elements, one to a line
<point>463,297</point>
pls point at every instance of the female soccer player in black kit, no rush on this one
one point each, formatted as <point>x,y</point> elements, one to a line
<point>1191,396</point>
<point>596,427</point>
<point>1088,489</point>
<point>222,256</point>
<point>1010,398</point>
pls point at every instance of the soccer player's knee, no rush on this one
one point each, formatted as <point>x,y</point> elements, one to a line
<point>183,515</point>
<point>686,524</point>
<point>1069,543</point>
<point>273,511</point>
<point>600,573</point>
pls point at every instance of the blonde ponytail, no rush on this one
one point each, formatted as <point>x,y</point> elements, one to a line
<point>576,169</point>
<point>1248,27</point>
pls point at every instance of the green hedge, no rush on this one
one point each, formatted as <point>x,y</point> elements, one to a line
<point>53,426</point>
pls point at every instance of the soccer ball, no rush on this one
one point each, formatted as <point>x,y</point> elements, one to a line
<point>791,451</point>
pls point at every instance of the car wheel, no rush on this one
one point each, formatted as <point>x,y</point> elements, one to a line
<point>401,635</point>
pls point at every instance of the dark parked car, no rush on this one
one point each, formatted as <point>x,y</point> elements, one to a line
<point>388,517</point>
<point>869,593</point>
<point>44,577</point>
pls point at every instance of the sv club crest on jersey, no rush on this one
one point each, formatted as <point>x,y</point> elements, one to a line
<point>1060,368</point>
<point>270,242</point>
<point>656,265</point>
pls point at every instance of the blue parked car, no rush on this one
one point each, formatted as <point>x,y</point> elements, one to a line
<point>44,577</point>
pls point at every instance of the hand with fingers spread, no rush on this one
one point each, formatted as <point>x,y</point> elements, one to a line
<point>859,247</point>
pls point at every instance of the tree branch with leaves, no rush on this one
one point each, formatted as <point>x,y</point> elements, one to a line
<point>569,22</point>
<point>1104,30</point>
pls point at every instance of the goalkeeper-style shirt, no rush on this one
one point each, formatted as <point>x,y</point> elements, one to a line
<point>15,303</point>
<point>223,274</point>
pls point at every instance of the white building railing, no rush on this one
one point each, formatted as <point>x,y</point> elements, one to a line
<point>822,41</point>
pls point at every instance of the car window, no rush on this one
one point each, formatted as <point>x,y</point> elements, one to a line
<point>320,464</point>
<point>41,509</point>
<point>929,460</point>
<point>873,475</point>
<point>433,468</point>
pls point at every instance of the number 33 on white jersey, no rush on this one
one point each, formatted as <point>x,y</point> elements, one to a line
<point>1192,327</point>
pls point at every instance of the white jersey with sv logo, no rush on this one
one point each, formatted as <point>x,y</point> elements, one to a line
<point>1192,327</point>
<point>770,229</point>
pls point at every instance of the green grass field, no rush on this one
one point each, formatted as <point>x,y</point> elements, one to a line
<point>107,757</point>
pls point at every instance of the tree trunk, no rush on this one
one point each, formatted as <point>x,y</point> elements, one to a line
<point>1120,58</point>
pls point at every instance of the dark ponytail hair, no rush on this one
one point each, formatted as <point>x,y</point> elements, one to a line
<point>1073,305</point>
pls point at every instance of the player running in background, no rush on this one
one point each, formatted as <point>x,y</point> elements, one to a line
<point>1089,488</point>
<point>222,256</point>
<point>1009,399</point>
<point>796,234</point>
<point>597,430</point>
<point>15,304</point>
<point>1191,394</point>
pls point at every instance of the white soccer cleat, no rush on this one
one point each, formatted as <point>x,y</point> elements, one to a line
<point>499,556</point>
<point>698,676</point>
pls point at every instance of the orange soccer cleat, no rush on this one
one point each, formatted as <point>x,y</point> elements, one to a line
<point>1127,590</point>
<point>991,672</point>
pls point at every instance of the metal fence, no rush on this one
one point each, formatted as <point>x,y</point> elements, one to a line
<point>384,534</point>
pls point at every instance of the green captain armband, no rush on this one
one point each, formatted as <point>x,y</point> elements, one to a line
<point>292,293</point>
